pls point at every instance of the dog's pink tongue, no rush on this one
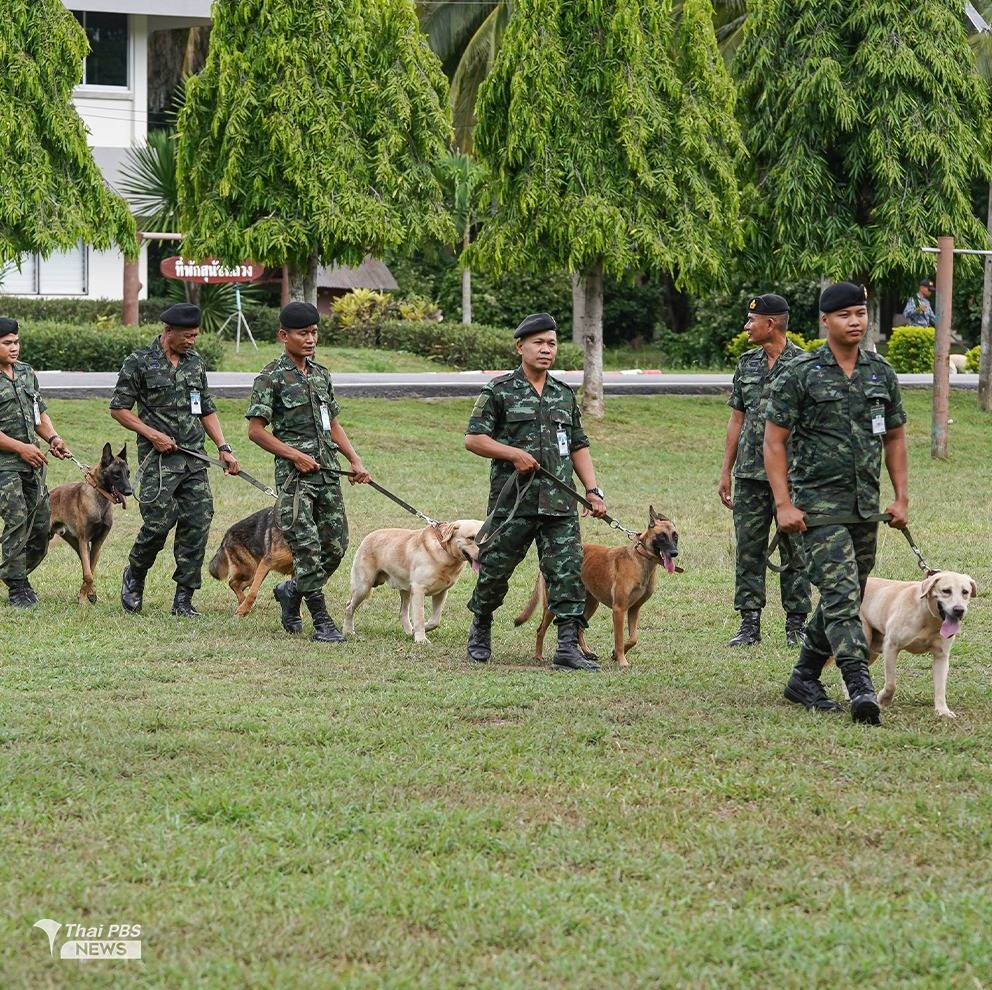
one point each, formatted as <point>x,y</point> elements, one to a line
<point>476,566</point>
<point>668,562</point>
<point>950,627</point>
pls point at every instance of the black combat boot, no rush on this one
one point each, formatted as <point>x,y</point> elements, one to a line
<point>795,625</point>
<point>288,595</point>
<point>182,603</point>
<point>132,589</point>
<point>750,630</point>
<point>568,653</point>
<point>480,647</point>
<point>804,687</point>
<point>324,630</point>
<point>864,701</point>
<point>21,594</point>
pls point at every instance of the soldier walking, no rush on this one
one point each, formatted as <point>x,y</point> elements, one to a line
<point>168,382</point>
<point>752,502</point>
<point>523,421</point>
<point>842,408</point>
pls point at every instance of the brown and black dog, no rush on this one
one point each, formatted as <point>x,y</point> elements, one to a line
<point>622,578</point>
<point>83,512</point>
<point>251,548</point>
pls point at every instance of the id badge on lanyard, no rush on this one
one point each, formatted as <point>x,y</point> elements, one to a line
<point>878,420</point>
<point>325,417</point>
<point>37,412</point>
<point>195,403</point>
<point>562,442</point>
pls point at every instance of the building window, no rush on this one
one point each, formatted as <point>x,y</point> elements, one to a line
<point>63,273</point>
<point>106,64</point>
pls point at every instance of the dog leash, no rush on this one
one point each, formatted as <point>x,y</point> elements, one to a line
<point>814,520</point>
<point>392,496</point>
<point>198,455</point>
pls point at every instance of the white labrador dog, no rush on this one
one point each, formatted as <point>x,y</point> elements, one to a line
<point>920,617</point>
<point>417,562</point>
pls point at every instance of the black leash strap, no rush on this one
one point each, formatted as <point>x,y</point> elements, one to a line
<point>392,496</point>
<point>243,475</point>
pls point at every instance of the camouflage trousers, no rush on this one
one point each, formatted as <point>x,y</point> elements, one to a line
<point>840,558</point>
<point>559,552</point>
<point>754,515</point>
<point>185,503</point>
<point>318,537</point>
<point>25,511</point>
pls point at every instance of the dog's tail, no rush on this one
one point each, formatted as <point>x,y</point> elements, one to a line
<point>535,598</point>
<point>218,566</point>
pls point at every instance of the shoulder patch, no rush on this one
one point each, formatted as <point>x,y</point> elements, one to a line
<point>481,402</point>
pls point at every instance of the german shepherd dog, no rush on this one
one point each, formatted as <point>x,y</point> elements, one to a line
<point>83,512</point>
<point>621,578</point>
<point>251,548</point>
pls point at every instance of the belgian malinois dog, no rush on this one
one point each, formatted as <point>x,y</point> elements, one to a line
<point>83,512</point>
<point>622,578</point>
<point>251,548</point>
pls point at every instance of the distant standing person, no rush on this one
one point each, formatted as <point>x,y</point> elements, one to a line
<point>918,311</point>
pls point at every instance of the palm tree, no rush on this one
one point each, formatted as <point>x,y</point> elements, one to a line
<point>463,176</point>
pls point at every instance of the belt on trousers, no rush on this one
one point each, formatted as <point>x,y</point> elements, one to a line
<point>815,520</point>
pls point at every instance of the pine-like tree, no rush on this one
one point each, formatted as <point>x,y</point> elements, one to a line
<point>314,134</point>
<point>608,131</point>
<point>52,194</point>
<point>866,124</point>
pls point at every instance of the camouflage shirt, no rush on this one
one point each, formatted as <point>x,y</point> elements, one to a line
<point>292,403</point>
<point>837,453</point>
<point>166,397</point>
<point>21,406</point>
<point>511,412</point>
<point>752,382</point>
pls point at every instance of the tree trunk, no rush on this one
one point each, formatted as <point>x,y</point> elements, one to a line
<point>592,373</point>
<point>578,310</point>
<point>985,361</point>
<point>466,281</point>
<point>303,281</point>
<point>870,341</point>
<point>821,330</point>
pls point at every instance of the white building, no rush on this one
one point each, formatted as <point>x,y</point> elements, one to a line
<point>112,99</point>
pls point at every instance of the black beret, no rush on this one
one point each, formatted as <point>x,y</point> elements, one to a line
<point>841,295</point>
<point>298,316</point>
<point>767,305</point>
<point>926,282</point>
<point>8,326</point>
<point>535,323</point>
<point>181,315</point>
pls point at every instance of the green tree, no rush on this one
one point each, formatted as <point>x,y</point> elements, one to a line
<point>314,134</point>
<point>866,124</point>
<point>608,135</point>
<point>463,176</point>
<point>53,194</point>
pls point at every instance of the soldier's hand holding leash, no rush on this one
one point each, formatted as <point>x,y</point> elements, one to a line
<point>162,443</point>
<point>303,463</point>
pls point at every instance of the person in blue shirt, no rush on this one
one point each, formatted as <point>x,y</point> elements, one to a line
<point>918,311</point>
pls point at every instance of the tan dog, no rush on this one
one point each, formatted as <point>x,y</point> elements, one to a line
<point>83,512</point>
<point>622,578</point>
<point>417,562</point>
<point>251,548</point>
<point>919,617</point>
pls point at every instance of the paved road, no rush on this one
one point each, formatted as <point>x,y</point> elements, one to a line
<point>234,384</point>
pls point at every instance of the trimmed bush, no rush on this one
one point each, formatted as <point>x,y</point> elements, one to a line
<point>972,358</point>
<point>738,345</point>
<point>468,348</point>
<point>88,347</point>
<point>911,350</point>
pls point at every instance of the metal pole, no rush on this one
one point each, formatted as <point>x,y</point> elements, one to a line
<point>942,348</point>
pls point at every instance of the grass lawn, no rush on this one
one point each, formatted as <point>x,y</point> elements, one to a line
<point>340,359</point>
<point>280,815</point>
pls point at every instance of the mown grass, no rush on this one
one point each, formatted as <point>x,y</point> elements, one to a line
<point>343,359</point>
<point>278,814</point>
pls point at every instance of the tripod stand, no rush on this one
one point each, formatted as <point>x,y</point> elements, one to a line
<point>239,316</point>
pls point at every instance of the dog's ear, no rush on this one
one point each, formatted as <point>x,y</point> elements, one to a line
<point>928,584</point>
<point>446,531</point>
<point>974,587</point>
<point>107,456</point>
<point>652,515</point>
<point>123,454</point>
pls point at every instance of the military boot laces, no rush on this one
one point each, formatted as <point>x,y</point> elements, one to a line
<point>324,629</point>
<point>287,594</point>
<point>568,654</point>
<point>480,639</point>
<point>864,701</point>
<point>750,631</point>
<point>21,594</point>
<point>795,625</point>
<point>132,590</point>
<point>182,603</point>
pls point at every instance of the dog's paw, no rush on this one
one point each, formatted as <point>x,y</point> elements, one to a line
<point>91,597</point>
<point>885,696</point>
<point>423,641</point>
<point>945,712</point>
<point>431,626</point>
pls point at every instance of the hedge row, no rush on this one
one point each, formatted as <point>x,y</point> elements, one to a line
<point>972,359</point>
<point>738,345</point>
<point>910,350</point>
<point>86,347</point>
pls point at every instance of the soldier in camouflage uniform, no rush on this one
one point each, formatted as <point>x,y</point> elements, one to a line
<point>523,420</point>
<point>295,396</point>
<point>842,408</point>
<point>24,504</point>
<point>168,382</point>
<point>752,502</point>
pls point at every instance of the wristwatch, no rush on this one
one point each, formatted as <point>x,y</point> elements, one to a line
<point>598,492</point>
<point>225,448</point>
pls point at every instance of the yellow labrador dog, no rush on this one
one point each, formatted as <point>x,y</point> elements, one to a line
<point>920,617</point>
<point>417,562</point>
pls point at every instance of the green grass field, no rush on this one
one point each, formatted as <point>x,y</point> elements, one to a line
<point>338,359</point>
<point>280,815</point>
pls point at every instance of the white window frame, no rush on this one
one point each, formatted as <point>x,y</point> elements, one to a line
<point>38,261</point>
<point>91,89</point>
